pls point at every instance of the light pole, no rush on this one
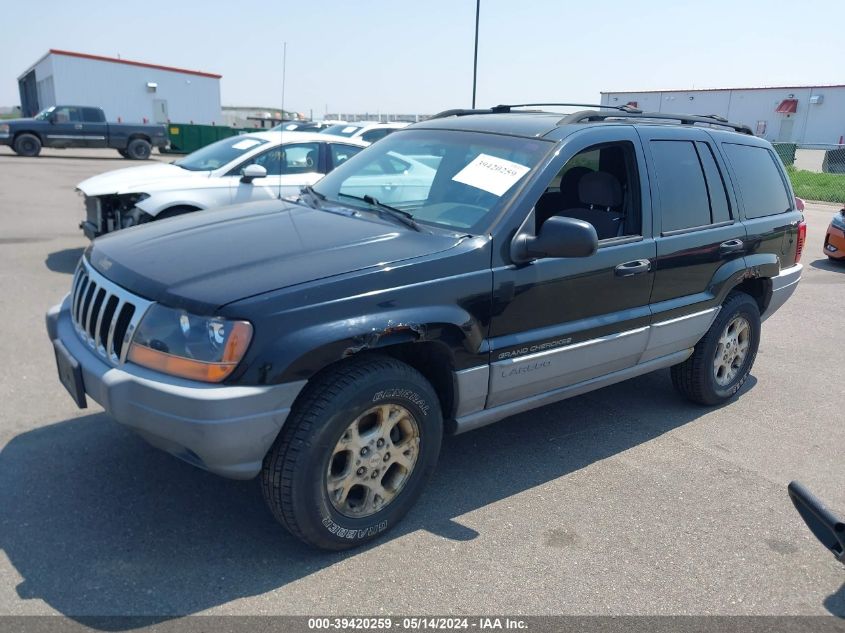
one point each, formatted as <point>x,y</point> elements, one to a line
<point>284,68</point>
<point>475,56</point>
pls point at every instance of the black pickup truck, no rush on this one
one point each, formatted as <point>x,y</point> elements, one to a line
<point>80,126</point>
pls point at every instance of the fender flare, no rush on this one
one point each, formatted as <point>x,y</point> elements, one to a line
<point>310,350</point>
<point>757,268</point>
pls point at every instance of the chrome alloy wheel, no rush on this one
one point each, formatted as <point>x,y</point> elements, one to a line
<point>373,460</point>
<point>732,350</point>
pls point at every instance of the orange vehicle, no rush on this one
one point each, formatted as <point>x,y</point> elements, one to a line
<point>834,240</point>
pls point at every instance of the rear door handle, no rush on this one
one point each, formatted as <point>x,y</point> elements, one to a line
<point>636,267</point>
<point>731,246</point>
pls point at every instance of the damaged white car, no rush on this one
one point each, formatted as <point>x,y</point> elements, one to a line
<point>244,168</point>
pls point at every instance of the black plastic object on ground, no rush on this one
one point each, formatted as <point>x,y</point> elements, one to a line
<point>825,526</point>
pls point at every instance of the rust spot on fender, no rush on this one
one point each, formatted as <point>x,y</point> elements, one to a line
<point>373,338</point>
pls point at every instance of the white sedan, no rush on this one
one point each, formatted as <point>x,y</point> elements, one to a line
<point>245,168</point>
<point>369,131</point>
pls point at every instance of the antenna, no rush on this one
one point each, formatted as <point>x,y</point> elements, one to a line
<point>475,55</point>
<point>282,129</point>
<point>284,68</point>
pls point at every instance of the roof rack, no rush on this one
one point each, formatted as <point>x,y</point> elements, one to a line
<point>505,108</point>
<point>684,119</point>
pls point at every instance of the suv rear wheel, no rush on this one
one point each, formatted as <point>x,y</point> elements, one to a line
<point>722,360</point>
<point>355,453</point>
<point>138,149</point>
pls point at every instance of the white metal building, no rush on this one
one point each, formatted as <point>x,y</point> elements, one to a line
<point>796,114</point>
<point>129,91</point>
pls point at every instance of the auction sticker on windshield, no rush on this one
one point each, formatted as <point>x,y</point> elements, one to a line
<point>490,173</point>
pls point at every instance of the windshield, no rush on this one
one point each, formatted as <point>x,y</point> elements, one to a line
<point>449,178</point>
<point>219,153</point>
<point>45,113</point>
<point>341,129</point>
<point>286,126</point>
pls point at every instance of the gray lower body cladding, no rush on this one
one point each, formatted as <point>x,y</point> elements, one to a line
<point>492,392</point>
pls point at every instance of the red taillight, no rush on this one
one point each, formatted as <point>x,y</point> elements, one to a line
<point>802,235</point>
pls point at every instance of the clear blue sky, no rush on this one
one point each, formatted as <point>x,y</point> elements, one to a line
<point>376,55</point>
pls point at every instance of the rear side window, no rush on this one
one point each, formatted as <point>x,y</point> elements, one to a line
<point>680,180</point>
<point>760,184</point>
<point>92,115</point>
<point>692,189</point>
<point>371,136</point>
<point>341,153</point>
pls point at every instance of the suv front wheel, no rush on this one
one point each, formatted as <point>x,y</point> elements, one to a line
<point>722,360</point>
<point>355,454</point>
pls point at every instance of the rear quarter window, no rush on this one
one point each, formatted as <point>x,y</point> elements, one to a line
<point>92,115</point>
<point>759,180</point>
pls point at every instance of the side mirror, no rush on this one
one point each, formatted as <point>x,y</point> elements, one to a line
<point>824,525</point>
<point>251,172</point>
<point>558,237</point>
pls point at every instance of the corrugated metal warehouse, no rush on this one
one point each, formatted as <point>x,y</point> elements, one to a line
<point>126,90</point>
<point>789,114</point>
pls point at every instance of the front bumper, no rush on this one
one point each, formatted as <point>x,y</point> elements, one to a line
<point>834,242</point>
<point>782,288</point>
<point>224,429</point>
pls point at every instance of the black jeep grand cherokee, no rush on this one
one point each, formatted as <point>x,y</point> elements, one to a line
<point>462,270</point>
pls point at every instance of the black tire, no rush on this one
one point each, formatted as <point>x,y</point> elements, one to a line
<point>695,378</point>
<point>123,153</point>
<point>138,149</point>
<point>27,145</point>
<point>295,475</point>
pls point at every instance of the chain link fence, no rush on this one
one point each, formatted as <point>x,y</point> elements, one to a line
<point>817,172</point>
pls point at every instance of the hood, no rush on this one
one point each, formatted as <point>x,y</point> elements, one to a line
<point>20,120</point>
<point>155,177</point>
<point>204,260</point>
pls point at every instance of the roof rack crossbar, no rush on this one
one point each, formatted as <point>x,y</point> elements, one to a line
<point>684,119</point>
<point>508,107</point>
<point>505,108</point>
<point>460,112</point>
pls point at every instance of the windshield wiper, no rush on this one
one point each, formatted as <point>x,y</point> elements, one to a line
<point>316,195</point>
<point>398,214</point>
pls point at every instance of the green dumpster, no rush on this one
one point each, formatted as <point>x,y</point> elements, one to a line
<point>188,137</point>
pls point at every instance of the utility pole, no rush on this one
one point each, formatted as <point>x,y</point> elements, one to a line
<point>475,57</point>
<point>284,68</point>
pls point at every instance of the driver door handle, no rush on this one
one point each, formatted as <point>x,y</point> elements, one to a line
<point>731,246</point>
<point>636,267</point>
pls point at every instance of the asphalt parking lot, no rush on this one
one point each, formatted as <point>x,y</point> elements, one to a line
<point>627,500</point>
